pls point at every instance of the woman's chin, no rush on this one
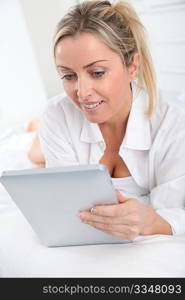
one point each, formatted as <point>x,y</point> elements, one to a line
<point>94,119</point>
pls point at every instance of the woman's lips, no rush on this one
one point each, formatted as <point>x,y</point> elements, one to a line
<point>93,106</point>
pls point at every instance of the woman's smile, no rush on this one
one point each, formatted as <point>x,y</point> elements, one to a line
<point>91,107</point>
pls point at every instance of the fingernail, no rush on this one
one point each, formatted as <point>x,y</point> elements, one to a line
<point>81,216</point>
<point>83,220</point>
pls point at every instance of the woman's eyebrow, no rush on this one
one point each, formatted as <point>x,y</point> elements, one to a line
<point>84,67</point>
<point>89,65</point>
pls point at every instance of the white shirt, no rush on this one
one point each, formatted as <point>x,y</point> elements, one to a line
<point>153,149</point>
<point>130,189</point>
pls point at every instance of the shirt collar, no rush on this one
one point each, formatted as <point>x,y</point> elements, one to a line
<point>91,132</point>
<point>137,134</point>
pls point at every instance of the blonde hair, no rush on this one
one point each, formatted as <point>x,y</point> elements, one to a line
<point>120,28</point>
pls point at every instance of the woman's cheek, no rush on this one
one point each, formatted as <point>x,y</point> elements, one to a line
<point>69,89</point>
<point>66,87</point>
<point>71,93</point>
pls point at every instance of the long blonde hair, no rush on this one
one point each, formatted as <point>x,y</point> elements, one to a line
<point>120,28</point>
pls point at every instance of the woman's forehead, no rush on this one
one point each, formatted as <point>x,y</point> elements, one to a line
<point>83,47</point>
<point>81,42</point>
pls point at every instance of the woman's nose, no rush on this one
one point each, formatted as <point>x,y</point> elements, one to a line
<point>83,88</point>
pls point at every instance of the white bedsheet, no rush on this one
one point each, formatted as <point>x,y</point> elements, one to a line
<point>22,254</point>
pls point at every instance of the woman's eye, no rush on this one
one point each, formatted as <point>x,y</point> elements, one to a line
<point>68,76</point>
<point>98,74</point>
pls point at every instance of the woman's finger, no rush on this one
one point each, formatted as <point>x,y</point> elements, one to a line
<point>121,231</point>
<point>115,210</point>
<point>86,217</point>
<point>107,227</point>
<point>121,198</point>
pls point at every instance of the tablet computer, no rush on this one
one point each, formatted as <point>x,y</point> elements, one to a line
<point>51,199</point>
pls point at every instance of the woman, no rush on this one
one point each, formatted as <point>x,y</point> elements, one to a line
<point>113,115</point>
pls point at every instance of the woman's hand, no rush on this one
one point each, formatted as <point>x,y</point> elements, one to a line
<point>127,219</point>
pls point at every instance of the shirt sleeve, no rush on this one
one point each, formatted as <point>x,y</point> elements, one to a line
<point>55,141</point>
<point>168,196</point>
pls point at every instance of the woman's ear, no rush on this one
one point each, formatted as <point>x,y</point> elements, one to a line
<point>133,68</point>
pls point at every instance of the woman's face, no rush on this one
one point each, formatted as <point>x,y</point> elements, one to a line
<point>95,78</point>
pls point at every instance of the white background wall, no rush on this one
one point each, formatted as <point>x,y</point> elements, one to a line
<point>165,23</point>
<point>41,18</point>
<point>27,72</point>
<point>21,87</point>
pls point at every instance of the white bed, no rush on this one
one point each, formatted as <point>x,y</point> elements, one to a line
<point>22,254</point>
